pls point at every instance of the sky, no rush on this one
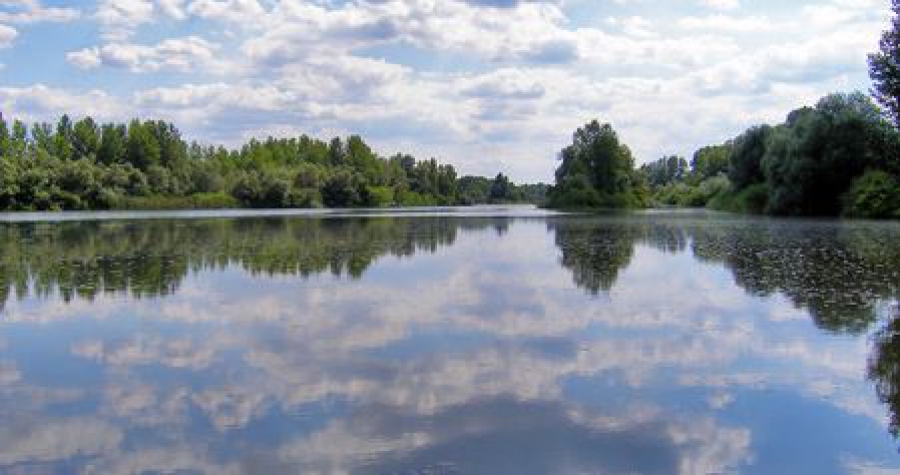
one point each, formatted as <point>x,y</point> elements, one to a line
<point>487,85</point>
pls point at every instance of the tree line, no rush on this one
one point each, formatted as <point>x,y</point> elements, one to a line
<point>83,165</point>
<point>838,157</point>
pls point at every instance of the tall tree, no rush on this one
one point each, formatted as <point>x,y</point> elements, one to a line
<point>597,170</point>
<point>745,166</point>
<point>5,138</point>
<point>86,138</point>
<point>884,68</point>
<point>501,189</point>
<point>143,147</point>
<point>113,144</point>
<point>710,161</point>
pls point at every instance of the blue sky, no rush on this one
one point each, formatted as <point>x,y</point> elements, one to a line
<point>487,85</point>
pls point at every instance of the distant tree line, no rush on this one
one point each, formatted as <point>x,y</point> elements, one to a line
<point>83,165</point>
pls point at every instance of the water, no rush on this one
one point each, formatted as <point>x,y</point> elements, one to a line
<point>486,341</point>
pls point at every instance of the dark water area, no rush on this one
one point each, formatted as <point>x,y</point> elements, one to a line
<point>484,341</point>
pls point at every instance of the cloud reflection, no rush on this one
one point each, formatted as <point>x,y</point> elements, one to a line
<point>575,345</point>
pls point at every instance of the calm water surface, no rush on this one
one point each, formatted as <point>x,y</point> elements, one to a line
<point>491,341</point>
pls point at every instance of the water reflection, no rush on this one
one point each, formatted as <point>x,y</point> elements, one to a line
<point>840,273</point>
<point>884,369</point>
<point>151,258</point>
<point>617,344</point>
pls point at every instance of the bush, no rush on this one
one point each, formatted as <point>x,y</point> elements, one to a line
<point>305,198</point>
<point>261,190</point>
<point>205,180</point>
<point>381,196</point>
<point>345,189</point>
<point>159,202</point>
<point>875,194</point>
<point>413,199</point>
<point>753,199</point>
<point>685,195</point>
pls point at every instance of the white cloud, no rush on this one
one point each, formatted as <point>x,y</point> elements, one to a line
<point>7,35</point>
<point>728,24</point>
<point>119,18</point>
<point>486,85</point>
<point>56,441</point>
<point>721,4</point>
<point>227,10</point>
<point>39,102</point>
<point>32,11</point>
<point>175,54</point>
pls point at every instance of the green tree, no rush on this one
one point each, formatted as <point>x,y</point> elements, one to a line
<point>710,161</point>
<point>884,68</point>
<point>665,171</point>
<point>62,140</point>
<point>5,138</point>
<point>113,144</point>
<point>85,139</point>
<point>343,189</point>
<point>812,160</point>
<point>597,170</point>
<point>142,147</point>
<point>80,165</point>
<point>875,194</point>
<point>745,161</point>
<point>19,140</point>
<point>501,189</point>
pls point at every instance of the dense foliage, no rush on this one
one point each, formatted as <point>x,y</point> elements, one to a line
<point>665,171</point>
<point>500,190</point>
<point>597,170</point>
<point>811,164</point>
<point>841,157</point>
<point>147,164</point>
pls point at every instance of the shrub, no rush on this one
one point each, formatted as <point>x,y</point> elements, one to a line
<point>413,199</point>
<point>305,198</point>
<point>875,194</point>
<point>753,199</point>
<point>381,196</point>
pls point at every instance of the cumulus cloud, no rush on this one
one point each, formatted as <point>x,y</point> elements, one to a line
<point>32,11</point>
<point>486,85</point>
<point>175,54</point>
<point>119,18</point>
<point>40,102</point>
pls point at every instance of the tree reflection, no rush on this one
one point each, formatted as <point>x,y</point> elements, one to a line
<point>884,370</point>
<point>595,252</point>
<point>842,274</point>
<point>349,378</point>
<point>837,272</point>
<point>151,258</point>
